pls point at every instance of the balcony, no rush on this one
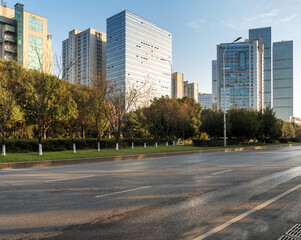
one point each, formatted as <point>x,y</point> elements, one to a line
<point>8,28</point>
<point>9,38</point>
<point>11,49</point>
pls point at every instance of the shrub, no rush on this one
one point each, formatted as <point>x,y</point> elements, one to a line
<point>62,144</point>
<point>214,143</point>
<point>283,140</point>
<point>297,139</point>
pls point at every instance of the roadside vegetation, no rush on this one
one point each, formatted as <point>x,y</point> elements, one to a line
<point>37,109</point>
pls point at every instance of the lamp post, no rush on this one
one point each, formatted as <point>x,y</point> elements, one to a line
<point>224,73</point>
<point>163,59</point>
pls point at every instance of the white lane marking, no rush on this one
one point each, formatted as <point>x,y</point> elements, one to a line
<point>169,166</point>
<point>247,213</point>
<point>266,163</point>
<point>129,190</point>
<point>221,172</point>
<point>66,179</point>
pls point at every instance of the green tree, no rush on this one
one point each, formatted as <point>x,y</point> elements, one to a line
<point>100,109</point>
<point>270,127</point>
<point>40,101</point>
<point>11,79</point>
<point>245,123</point>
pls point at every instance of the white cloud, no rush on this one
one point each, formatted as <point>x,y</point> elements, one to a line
<point>196,24</point>
<point>264,18</point>
<point>287,19</point>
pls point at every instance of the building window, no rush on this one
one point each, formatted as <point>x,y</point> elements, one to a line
<point>35,56</point>
<point>35,24</point>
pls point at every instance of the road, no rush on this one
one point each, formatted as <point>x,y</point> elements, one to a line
<point>235,195</point>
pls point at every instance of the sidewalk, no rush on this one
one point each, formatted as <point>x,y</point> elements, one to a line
<point>60,162</point>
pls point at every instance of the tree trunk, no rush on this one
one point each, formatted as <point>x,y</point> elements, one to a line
<point>132,145</point>
<point>44,131</point>
<point>83,132</point>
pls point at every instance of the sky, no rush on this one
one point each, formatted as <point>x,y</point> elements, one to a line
<point>197,27</point>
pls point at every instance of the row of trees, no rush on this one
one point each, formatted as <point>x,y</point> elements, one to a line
<point>37,105</point>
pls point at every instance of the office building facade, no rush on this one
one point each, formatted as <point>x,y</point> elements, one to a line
<point>206,100</point>
<point>244,66</point>
<point>139,55</point>
<point>84,56</point>
<point>191,89</point>
<point>214,83</point>
<point>177,88</point>
<point>283,79</point>
<point>25,38</point>
<point>266,35</point>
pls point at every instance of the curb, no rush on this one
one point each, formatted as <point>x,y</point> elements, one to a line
<point>61,162</point>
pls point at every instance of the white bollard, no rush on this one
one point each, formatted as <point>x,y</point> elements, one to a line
<point>156,144</point>
<point>178,142</point>
<point>74,148</point>
<point>166,144</point>
<point>132,145</point>
<point>98,146</point>
<point>3,150</point>
<point>144,145</point>
<point>173,142</point>
<point>183,141</point>
<point>117,148</point>
<point>40,149</point>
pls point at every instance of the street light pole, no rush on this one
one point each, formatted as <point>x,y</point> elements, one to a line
<point>224,75</point>
<point>163,59</point>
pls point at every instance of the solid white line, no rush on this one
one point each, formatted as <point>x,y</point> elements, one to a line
<point>65,179</point>
<point>247,213</point>
<point>170,166</point>
<point>221,172</point>
<point>130,190</point>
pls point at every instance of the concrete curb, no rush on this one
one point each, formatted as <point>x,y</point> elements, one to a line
<point>60,162</point>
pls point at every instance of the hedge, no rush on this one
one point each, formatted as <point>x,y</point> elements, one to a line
<point>62,144</point>
<point>214,143</point>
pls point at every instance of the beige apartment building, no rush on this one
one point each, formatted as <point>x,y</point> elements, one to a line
<point>191,90</point>
<point>177,88</point>
<point>84,56</point>
<point>24,38</point>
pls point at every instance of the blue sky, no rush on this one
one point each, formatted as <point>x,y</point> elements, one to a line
<point>197,27</point>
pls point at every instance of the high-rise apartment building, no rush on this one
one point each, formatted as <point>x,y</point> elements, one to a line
<point>177,88</point>
<point>266,35</point>
<point>206,100</point>
<point>214,83</point>
<point>283,79</point>
<point>243,66</point>
<point>139,53</point>
<point>25,38</point>
<point>84,55</point>
<point>191,89</point>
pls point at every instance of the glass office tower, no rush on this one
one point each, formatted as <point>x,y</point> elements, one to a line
<point>214,83</point>
<point>136,48</point>
<point>283,79</point>
<point>206,100</point>
<point>266,35</point>
<point>243,66</point>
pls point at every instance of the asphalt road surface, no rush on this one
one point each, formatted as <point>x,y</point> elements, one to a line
<point>236,195</point>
